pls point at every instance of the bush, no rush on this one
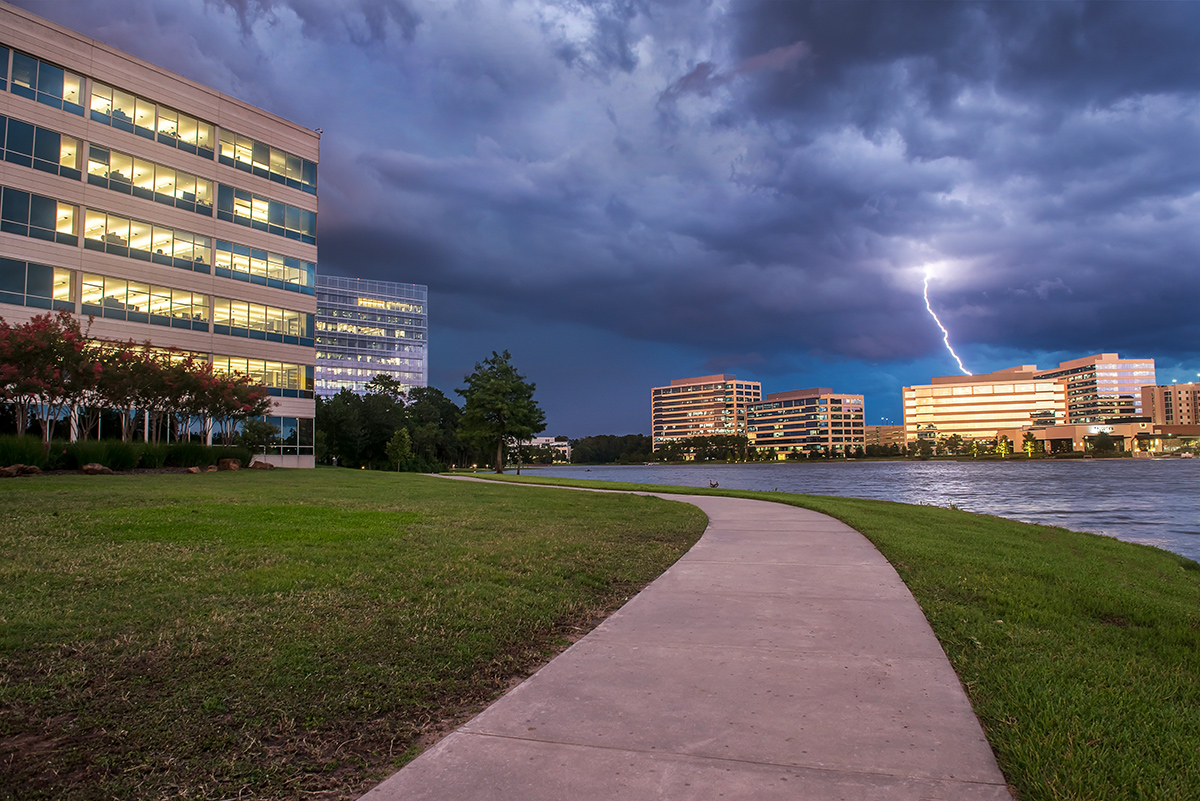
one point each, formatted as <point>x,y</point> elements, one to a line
<point>146,455</point>
<point>243,455</point>
<point>15,449</point>
<point>76,454</point>
<point>190,454</point>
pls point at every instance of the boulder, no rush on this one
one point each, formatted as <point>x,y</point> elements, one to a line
<point>229,464</point>
<point>212,468</point>
<point>30,469</point>
<point>10,472</point>
<point>95,469</point>
<point>261,464</point>
<point>193,469</point>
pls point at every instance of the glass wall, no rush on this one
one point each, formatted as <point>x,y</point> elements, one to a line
<point>288,380</point>
<point>47,84</point>
<point>36,216</point>
<point>40,148</point>
<point>119,299</point>
<point>129,175</point>
<point>128,112</point>
<point>260,159</point>
<point>37,285</point>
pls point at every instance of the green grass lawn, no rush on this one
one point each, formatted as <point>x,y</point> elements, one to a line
<point>1081,653</point>
<point>285,634</point>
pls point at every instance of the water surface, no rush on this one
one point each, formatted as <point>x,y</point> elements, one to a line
<point>1150,501</point>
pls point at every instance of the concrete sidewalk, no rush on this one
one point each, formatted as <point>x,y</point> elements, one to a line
<point>780,658</point>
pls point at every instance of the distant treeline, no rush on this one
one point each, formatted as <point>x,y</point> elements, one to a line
<point>611,449</point>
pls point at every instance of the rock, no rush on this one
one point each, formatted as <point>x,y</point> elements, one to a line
<point>229,464</point>
<point>193,469</point>
<point>95,469</point>
<point>10,472</point>
<point>261,464</point>
<point>212,468</point>
<point>30,470</point>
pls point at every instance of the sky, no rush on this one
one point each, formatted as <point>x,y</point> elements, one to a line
<point>625,192</point>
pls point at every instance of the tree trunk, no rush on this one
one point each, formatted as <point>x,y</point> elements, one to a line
<point>500,455</point>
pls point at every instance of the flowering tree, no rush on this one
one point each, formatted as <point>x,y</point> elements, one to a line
<point>47,366</point>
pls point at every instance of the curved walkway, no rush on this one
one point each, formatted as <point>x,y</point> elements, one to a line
<point>780,658</point>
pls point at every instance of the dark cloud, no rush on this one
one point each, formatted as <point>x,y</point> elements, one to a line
<point>625,192</point>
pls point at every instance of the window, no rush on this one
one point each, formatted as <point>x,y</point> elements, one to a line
<point>265,161</point>
<point>37,285</point>
<point>240,318</point>
<point>119,299</point>
<point>36,216</point>
<point>32,146</point>
<point>111,233</point>
<point>244,208</point>
<point>128,112</point>
<point>145,179</point>
<point>47,84</point>
<point>242,263</point>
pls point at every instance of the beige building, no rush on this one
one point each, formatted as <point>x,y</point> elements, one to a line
<point>1172,404</point>
<point>979,406</point>
<point>804,421</point>
<point>704,406</point>
<point>884,436</point>
<point>1136,435</point>
<point>164,209</point>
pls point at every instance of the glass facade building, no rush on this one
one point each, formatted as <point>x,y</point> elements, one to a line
<point>369,328</point>
<point>166,211</point>
<point>804,421</point>
<point>704,406</point>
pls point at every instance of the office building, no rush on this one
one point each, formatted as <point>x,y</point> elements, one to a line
<point>1172,404</point>
<point>370,328</point>
<point>979,406</point>
<point>1103,387</point>
<point>804,421</point>
<point>164,209</point>
<point>704,406</point>
<point>884,436</point>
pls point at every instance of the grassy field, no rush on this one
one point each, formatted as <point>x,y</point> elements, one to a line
<point>285,634</point>
<point>1081,654</point>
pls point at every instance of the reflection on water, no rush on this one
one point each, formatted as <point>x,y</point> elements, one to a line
<point>1151,501</point>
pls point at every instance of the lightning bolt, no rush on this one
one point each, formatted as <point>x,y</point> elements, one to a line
<point>945,333</point>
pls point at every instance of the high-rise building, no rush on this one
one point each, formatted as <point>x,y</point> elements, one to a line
<point>164,209</point>
<point>370,328</point>
<point>1103,387</point>
<point>978,406</point>
<point>816,420</point>
<point>1172,404</point>
<point>703,406</point>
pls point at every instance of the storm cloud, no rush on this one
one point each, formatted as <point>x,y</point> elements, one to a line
<point>626,192</point>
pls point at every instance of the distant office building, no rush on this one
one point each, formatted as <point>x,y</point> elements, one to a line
<point>165,210</point>
<point>978,406</point>
<point>1103,386</point>
<point>369,328</point>
<point>806,421</point>
<point>561,447</point>
<point>883,436</point>
<point>703,406</point>
<point>1172,404</point>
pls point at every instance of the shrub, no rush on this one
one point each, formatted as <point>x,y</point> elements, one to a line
<point>77,454</point>
<point>190,454</point>
<point>16,449</point>
<point>121,455</point>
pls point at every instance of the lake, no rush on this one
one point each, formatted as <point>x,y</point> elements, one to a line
<point>1149,501</point>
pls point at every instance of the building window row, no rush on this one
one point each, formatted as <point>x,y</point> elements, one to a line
<point>243,263</point>
<point>39,286</point>
<point>119,299</point>
<point>256,158</point>
<point>44,82</point>
<point>263,214</point>
<point>285,380</point>
<point>136,239</point>
<point>126,111</point>
<point>33,146</point>
<point>28,214</point>
<point>130,175</point>
<point>241,318</point>
<point>295,436</point>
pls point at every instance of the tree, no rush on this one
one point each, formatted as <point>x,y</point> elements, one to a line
<point>258,435</point>
<point>399,449</point>
<point>498,405</point>
<point>1029,443</point>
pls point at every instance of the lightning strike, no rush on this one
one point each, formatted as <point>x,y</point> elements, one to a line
<point>945,333</point>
